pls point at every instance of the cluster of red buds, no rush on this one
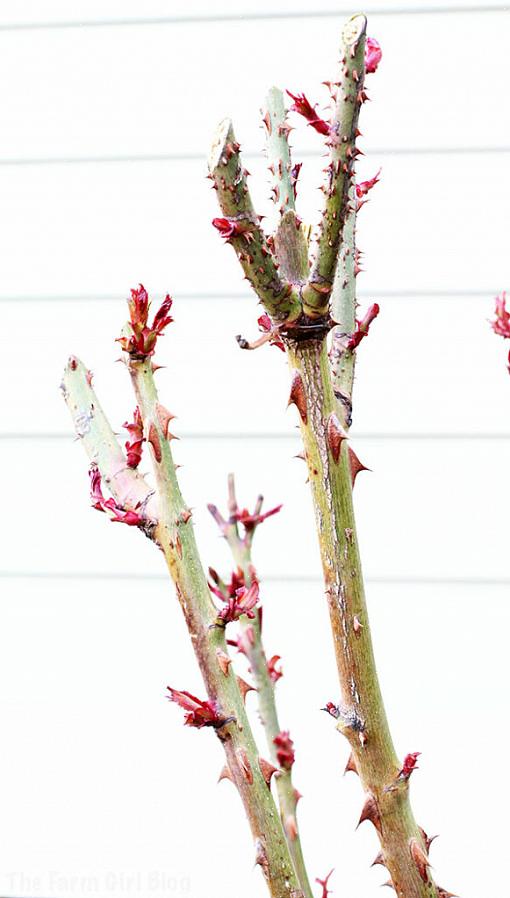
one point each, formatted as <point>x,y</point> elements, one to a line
<point>115,512</point>
<point>231,227</point>
<point>223,590</point>
<point>284,750</point>
<point>142,340</point>
<point>243,601</point>
<point>198,713</point>
<point>373,55</point>
<point>409,765</point>
<point>501,323</point>
<point>362,327</point>
<point>135,444</point>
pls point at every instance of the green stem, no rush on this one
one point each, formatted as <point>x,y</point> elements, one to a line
<point>340,170</point>
<point>362,716</point>
<point>278,152</point>
<point>256,258</point>
<point>343,311</point>
<point>287,794</point>
<point>173,533</point>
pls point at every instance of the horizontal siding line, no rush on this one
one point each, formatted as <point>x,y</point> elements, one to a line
<point>250,17</point>
<point>201,157</point>
<point>485,293</point>
<point>274,578</point>
<point>284,435</point>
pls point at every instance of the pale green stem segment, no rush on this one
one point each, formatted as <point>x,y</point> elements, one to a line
<point>288,796</point>
<point>278,151</point>
<point>340,171</point>
<point>173,533</point>
<point>93,429</point>
<point>252,249</point>
<point>343,311</point>
<point>362,719</point>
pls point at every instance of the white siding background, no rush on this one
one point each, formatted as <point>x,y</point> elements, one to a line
<point>104,132</point>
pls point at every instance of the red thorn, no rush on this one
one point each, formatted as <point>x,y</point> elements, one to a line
<point>223,660</point>
<point>442,893</point>
<point>297,396</point>
<point>427,839</point>
<point>378,860</point>
<point>335,436</point>
<point>370,812</point>
<point>185,515</point>
<point>351,765</point>
<point>153,439</point>
<point>297,795</point>
<point>356,465</point>
<point>244,687</point>
<point>267,121</point>
<point>388,883</point>
<point>420,859</point>
<point>245,765</point>
<point>267,770</point>
<point>225,774</point>
<point>164,418</point>
<point>291,829</point>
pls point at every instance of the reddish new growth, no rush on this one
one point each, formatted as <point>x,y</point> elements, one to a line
<point>373,55</point>
<point>501,323</point>
<point>409,765</point>
<point>304,108</point>
<point>229,228</point>
<point>275,673</point>
<point>324,884</point>
<point>198,713</point>
<point>251,521</point>
<point>363,188</point>
<point>284,750</point>
<point>332,709</point>
<point>266,326</point>
<point>142,340</point>
<point>109,506</point>
<point>134,448</point>
<point>244,642</point>
<point>242,602</point>
<point>362,327</point>
<point>224,590</point>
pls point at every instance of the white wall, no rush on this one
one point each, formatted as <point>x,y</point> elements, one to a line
<point>104,134</point>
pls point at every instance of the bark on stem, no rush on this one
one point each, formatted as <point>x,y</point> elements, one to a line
<point>363,718</point>
<point>173,533</point>
<point>287,795</point>
<point>177,540</point>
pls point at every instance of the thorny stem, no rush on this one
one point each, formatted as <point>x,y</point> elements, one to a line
<point>363,718</point>
<point>287,794</point>
<point>278,152</point>
<point>343,311</point>
<point>340,170</point>
<point>254,254</point>
<point>174,535</point>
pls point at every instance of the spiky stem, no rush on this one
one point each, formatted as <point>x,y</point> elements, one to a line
<point>362,716</point>
<point>173,533</point>
<point>342,141</point>
<point>241,549</point>
<point>343,311</point>
<point>250,244</point>
<point>278,152</point>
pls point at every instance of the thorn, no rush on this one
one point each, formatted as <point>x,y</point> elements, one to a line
<point>153,439</point>
<point>300,455</point>
<point>297,795</point>
<point>267,121</point>
<point>261,857</point>
<point>388,883</point>
<point>442,893</point>
<point>244,688</point>
<point>427,839</point>
<point>164,418</point>
<point>420,859</point>
<point>335,436</point>
<point>291,827</point>
<point>297,396</point>
<point>267,770</point>
<point>356,624</point>
<point>245,765</point>
<point>378,860</point>
<point>225,774</point>
<point>185,515</point>
<point>223,660</point>
<point>356,465</point>
<point>351,765</point>
<point>370,812</point>
<point>155,367</point>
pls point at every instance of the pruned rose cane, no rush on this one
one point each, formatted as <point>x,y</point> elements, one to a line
<point>310,313</point>
<point>320,300</point>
